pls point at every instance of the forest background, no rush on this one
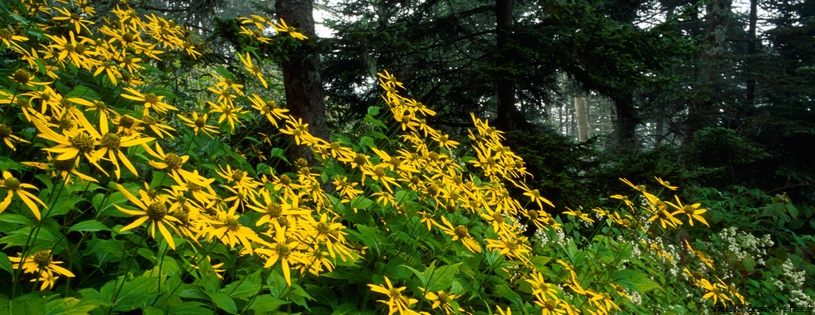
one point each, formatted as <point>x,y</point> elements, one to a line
<point>315,191</point>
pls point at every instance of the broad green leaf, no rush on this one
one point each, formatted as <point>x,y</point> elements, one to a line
<point>89,226</point>
<point>442,278</point>
<point>14,218</point>
<point>150,310</point>
<point>223,301</point>
<point>266,303</point>
<point>5,263</point>
<point>103,203</point>
<point>633,280</point>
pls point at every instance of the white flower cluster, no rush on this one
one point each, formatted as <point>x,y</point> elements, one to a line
<point>744,245</point>
<point>796,278</point>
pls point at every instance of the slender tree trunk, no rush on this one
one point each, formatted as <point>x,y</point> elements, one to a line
<point>751,50</point>
<point>702,110</point>
<point>625,128</point>
<point>504,81</point>
<point>301,75</point>
<point>582,111</point>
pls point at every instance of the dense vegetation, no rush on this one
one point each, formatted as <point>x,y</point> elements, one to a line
<point>187,166</point>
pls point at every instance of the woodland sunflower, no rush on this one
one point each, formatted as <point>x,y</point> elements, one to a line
<point>154,209</point>
<point>283,250</point>
<point>252,69</point>
<point>692,211</point>
<point>199,123</point>
<point>43,265</point>
<point>150,100</point>
<point>396,301</point>
<point>15,187</point>
<point>8,137</point>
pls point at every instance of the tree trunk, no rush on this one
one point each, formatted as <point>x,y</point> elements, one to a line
<point>751,50</point>
<point>301,75</point>
<point>703,109</point>
<point>625,129</point>
<point>504,81</point>
<point>582,111</point>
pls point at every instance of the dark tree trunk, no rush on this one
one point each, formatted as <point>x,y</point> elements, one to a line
<point>703,108</point>
<point>301,75</point>
<point>625,128</point>
<point>751,50</point>
<point>507,114</point>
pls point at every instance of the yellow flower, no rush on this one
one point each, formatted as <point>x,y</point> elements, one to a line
<point>228,112</point>
<point>579,214</point>
<point>539,285</point>
<point>715,291</point>
<point>666,184</point>
<point>268,109</point>
<point>692,211</point>
<point>535,195</point>
<point>460,232</point>
<point>8,137</point>
<point>41,263</point>
<point>150,100</point>
<point>283,28</point>
<point>8,37</point>
<point>14,186</point>
<point>76,19</point>
<point>252,69</point>
<point>110,143</point>
<point>708,261</point>
<point>284,250</point>
<point>153,208</point>
<point>199,123</point>
<point>442,300</point>
<point>396,301</point>
<point>299,130</point>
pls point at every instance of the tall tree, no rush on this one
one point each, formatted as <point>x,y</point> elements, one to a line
<point>703,110</point>
<point>301,73</point>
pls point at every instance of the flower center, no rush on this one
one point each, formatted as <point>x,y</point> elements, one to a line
<point>150,98</point>
<point>42,258</point>
<point>83,142</point>
<point>461,231</point>
<point>12,183</point>
<point>238,175</point>
<point>111,141</point>
<point>5,35</point>
<point>200,122</point>
<point>148,120</point>
<point>285,180</point>
<point>232,224</point>
<point>64,165</point>
<point>5,131</point>
<point>100,106</point>
<point>156,211</point>
<point>126,122</point>
<point>360,159</point>
<point>21,76</point>
<point>173,161</point>
<point>274,210</point>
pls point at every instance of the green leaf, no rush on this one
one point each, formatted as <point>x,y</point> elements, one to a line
<point>150,310</point>
<point>103,203</point>
<point>442,278</point>
<point>634,280</point>
<point>360,202</point>
<point>5,263</point>
<point>223,301</point>
<point>266,303</point>
<point>14,219</point>
<point>83,92</point>
<point>367,141</point>
<point>89,226</point>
